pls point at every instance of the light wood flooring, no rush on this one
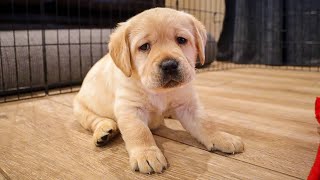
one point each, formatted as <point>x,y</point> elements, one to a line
<point>272,110</point>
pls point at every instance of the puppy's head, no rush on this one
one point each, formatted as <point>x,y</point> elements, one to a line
<point>159,47</point>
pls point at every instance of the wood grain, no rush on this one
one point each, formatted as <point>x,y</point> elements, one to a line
<point>40,139</point>
<point>277,126</point>
<point>45,142</point>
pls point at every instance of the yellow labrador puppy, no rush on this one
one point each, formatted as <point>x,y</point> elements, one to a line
<point>146,76</point>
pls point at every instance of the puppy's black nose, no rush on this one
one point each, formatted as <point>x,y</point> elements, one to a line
<point>169,66</point>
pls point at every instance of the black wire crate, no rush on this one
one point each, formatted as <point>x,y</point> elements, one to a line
<point>48,46</point>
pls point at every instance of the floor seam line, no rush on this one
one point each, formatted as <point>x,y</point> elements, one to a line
<point>5,175</point>
<point>220,154</point>
<point>59,103</point>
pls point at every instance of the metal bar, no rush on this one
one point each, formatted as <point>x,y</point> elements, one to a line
<point>261,23</point>
<point>90,22</point>
<point>177,4</point>
<point>110,19</point>
<point>15,50</point>
<point>28,39</point>
<point>301,33</point>
<point>210,23</point>
<point>318,23</point>
<point>2,74</point>
<point>69,46</point>
<point>154,4</point>
<point>195,9</point>
<point>311,47</point>
<point>80,55</point>
<point>100,24</point>
<point>44,51</point>
<point>120,11</point>
<point>51,44</point>
<point>58,48</point>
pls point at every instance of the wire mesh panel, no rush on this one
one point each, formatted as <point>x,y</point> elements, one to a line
<point>47,47</point>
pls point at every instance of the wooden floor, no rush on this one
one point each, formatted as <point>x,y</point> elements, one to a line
<point>272,110</point>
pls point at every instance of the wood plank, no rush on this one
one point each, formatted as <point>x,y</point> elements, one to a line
<point>263,78</point>
<point>268,108</point>
<point>278,126</point>
<point>292,87</point>
<point>291,74</point>
<point>47,143</point>
<point>259,143</point>
<point>257,81</point>
<point>309,89</point>
<point>263,149</point>
<point>242,88</point>
<point>305,116</point>
<point>260,96</point>
<point>271,111</point>
<point>66,99</point>
<point>254,107</point>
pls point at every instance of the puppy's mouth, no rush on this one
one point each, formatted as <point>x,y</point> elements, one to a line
<point>171,81</point>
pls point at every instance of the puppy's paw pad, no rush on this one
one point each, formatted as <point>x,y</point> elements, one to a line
<point>106,137</point>
<point>103,134</point>
<point>148,160</point>
<point>103,140</point>
<point>226,143</point>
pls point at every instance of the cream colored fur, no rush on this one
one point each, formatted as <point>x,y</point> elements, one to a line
<point>123,92</point>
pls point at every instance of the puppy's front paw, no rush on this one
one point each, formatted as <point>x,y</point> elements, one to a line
<point>147,160</point>
<point>104,132</point>
<point>225,142</point>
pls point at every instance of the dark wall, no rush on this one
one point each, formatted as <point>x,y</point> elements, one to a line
<point>273,32</point>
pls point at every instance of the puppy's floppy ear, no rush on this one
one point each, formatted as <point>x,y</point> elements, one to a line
<point>201,38</point>
<point>119,49</point>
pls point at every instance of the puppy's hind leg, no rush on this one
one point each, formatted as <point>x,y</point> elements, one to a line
<point>104,129</point>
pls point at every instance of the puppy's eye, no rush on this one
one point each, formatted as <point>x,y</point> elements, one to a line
<point>145,47</point>
<point>181,40</point>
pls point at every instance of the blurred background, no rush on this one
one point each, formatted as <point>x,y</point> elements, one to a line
<point>48,46</point>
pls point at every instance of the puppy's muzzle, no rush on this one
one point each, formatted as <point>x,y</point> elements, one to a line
<point>170,73</point>
<point>169,67</point>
